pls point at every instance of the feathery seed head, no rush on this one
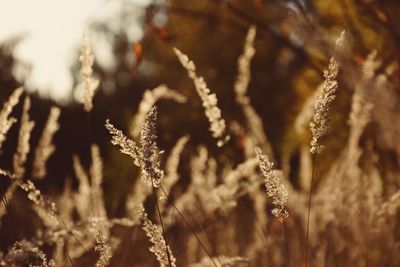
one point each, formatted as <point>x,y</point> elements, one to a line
<point>104,249</point>
<point>23,252</point>
<point>340,40</point>
<point>5,121</point>
<point>24,136</point>
<point>244,61</point>
<point>149,152</point>
<point>320,121</point>
<point>45,147</point>
<point>127,146</point>
<point>275,189</point>
<point>209,101</point>
<point>159,246</point>
<point>147,155</point>
<point>90,83</point>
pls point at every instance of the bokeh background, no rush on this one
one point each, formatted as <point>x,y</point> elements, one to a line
<point>133,46</point>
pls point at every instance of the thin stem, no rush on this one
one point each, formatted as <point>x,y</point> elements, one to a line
<point>162,225</point>
<point>192,230</point>
<point>314,159</point>
<point>73,235</point>
<point>206,237</point>
<point>90,141</point>
<point>68,256</point>
<point>287,243</point>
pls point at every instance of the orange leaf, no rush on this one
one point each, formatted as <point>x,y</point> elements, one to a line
<point>138,51</point>
<point>163,34</point>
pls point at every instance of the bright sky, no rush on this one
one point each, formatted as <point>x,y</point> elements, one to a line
<point>54,31</point>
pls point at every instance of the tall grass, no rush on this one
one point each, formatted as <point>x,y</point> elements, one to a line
<point>190,208</point>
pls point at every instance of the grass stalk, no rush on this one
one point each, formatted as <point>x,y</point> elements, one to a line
<point>68,256</point>
<point>162,225</point>
<point>314,159</point>
<point>192,230</point>
<point>287,243</point>
<point>172,221</point>
<point>73,235</point>
<point>90,141</point>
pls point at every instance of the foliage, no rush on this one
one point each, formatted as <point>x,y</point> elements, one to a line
<point>198,204</point>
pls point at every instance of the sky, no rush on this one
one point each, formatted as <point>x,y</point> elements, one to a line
<point>53,30</point>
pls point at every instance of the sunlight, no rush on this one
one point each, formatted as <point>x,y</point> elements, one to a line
<point>52,32</point>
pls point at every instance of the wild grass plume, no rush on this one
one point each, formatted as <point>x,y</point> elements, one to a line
<point>89,83</point>
<point>45,147</point>
<point>5,121</point>
<point>23,147</point>
<point>274,188</point>
<point>209,100</point>
<point>265,195</point>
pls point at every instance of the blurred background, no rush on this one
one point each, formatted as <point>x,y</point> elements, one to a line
<point>133,42</point>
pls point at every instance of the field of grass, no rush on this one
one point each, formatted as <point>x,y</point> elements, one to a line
<point>192,205</point>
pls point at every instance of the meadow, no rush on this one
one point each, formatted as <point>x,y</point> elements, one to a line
<point>330,200</point>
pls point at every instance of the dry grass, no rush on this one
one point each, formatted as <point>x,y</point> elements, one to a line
<point>221,216</point>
